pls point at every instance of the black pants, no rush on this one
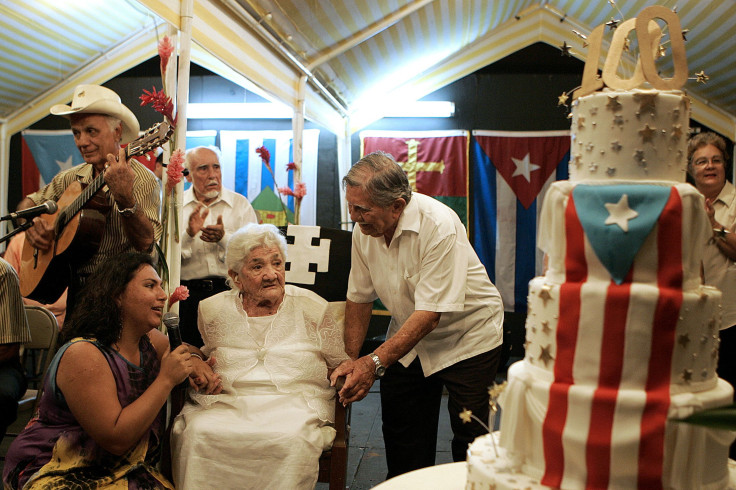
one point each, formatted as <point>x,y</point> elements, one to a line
<point>199,289</point>
<point>726,368</point>
<point>410,405</point>
<point>12,387</point>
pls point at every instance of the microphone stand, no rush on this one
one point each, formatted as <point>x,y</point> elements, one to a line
<point>18,228</point>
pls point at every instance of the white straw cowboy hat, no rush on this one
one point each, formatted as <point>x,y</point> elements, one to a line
<point>95,99</point>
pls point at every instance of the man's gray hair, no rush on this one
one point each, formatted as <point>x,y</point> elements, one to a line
<point>380,177</point>
<point>192,154</point>
<point>247,238</point>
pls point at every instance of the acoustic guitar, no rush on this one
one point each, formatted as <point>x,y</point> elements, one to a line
<point>78,227</point>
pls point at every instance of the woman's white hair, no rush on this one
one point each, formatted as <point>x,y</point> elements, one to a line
<point>247,238</point>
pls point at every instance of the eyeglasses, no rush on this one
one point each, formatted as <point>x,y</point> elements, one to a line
<point>704,161</point>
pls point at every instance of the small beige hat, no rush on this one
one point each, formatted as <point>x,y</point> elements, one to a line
<point>95,99</point>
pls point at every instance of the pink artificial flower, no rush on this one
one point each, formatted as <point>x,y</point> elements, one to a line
<point>285,191</point>
<point>175,169</point>
<point>265,156</point>
<point>300,190</point>
<point>165,48</point>
<point>180,293</point>
<point>161,103</point>
<point>291,166</point>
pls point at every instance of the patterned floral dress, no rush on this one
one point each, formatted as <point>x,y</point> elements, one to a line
<point>54,451</point>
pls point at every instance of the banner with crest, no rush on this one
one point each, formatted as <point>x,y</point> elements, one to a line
<point>436,162</point>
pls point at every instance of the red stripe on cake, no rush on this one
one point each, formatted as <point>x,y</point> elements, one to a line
<point>603,408</point>
<point>669,280</point>
<point>566,338</point>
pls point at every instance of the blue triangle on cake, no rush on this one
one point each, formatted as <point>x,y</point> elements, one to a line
<point>617,219</point>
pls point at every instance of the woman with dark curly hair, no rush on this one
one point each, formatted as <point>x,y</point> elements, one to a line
<point>101,417</point>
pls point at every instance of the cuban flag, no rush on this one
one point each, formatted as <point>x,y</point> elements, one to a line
<point>244,172</point>
<point>511,174</point>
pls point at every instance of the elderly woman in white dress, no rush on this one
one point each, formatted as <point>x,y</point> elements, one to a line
<point>273,346</point>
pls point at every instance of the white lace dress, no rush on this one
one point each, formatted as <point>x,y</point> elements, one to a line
<point>270,424</point>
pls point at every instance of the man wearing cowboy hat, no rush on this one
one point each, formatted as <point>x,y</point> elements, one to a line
<point>100,123</point>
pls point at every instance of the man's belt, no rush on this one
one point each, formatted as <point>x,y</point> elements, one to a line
<point>208,284</point>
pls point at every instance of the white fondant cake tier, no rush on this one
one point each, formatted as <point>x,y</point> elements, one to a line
<point>630,135</point>
<point>556,227</point>
<point>694,343</point>
<point>694,457</point>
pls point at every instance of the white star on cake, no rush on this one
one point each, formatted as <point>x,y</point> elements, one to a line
<point>620,213</point>
<point>524,167</point>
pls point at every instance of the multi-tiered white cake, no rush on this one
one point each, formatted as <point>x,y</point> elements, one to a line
<point>621,336</point>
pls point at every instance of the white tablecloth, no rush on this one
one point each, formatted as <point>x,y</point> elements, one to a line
<point>449,476</point>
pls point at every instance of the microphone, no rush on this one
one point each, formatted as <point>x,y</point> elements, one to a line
<point>171,320</point>
<point>49,207</point>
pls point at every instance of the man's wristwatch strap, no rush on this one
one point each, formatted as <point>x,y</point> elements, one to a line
<point>128,212</point>
<point>380,368</point>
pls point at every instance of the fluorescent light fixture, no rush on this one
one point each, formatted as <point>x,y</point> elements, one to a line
<point>254,110</point>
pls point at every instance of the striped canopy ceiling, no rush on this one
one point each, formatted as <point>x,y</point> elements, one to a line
<point>353,52</point>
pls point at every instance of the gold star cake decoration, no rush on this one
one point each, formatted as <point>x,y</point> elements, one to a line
<point>545,356</point>
<point>562,99</point>
<point>701,77</point>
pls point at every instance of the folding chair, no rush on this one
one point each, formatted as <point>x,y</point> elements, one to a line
<point>36,356</point>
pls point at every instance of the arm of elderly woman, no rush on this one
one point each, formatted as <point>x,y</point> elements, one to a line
<point>88,385</point>
<point>203,377</point>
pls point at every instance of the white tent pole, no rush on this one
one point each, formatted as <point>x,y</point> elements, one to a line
<point>344,156</point>
<point>297,124</point>
<point>182,96</point>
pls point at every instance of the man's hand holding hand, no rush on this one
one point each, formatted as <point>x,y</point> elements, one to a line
<point>359,377</point>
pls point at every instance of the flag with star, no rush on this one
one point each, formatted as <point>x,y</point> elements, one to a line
<point>511,172</point>
<point>436,162</point>
<point>45,154</point>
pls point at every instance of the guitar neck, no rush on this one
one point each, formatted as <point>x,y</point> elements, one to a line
<point>72,209</point>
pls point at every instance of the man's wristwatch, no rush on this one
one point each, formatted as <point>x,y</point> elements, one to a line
<point>128,212</point>
<point>380,368</point>
<point>720,233</point>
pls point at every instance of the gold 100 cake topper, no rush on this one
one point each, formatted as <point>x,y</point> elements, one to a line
<point>648,34</point>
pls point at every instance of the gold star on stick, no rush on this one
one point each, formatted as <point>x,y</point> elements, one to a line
<point>466,416</point>
<point>684,34</point>
<point>612,24</point>
<point>565,49</point>
<point>581,36</point>
<point>562,99</point>
<point>701,77</point>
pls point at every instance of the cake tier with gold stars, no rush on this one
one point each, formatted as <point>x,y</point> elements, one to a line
<point>630,135</point>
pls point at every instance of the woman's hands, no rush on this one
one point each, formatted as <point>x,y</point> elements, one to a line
<point>203,378</point>
<point>176,365</point>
